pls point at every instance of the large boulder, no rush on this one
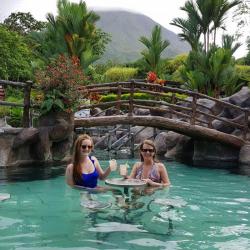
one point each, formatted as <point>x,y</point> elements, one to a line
<point>205,105</point>
<point>172,139</point>
<point>160,143</point>
<point>141,111</point>
<point>26,136</point>
<point>244,157</point>
<point>179,147</point>
<point>213,154</point>
<point>163,111</point>
<point>241,98</point>
<point>96,112</point>
<point>51,141</point>
<point>142,134</point>
<point>6,141</point>
<point>227,128</point>
<point>60,131</point>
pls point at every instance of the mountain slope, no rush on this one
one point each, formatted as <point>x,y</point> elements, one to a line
<point>126,28</point>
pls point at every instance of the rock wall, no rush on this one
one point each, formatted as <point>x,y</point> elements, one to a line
<point>51,141</point>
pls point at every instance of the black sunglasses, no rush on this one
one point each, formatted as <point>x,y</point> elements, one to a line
<point>87,146</point>
<point>150,150</point>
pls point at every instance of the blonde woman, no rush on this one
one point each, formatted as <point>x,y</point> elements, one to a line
<point>150,170</point>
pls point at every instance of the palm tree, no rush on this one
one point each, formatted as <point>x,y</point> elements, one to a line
<point>76,26</point>
<point>219,16</point>
<point>207,15</point>
<point>190,31</point>
<point>228,43</point>
<point>155,46</point>
<point>202,11</point>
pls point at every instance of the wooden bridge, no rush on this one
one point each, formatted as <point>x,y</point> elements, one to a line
<point>181,114</point>
<point>171,108</point>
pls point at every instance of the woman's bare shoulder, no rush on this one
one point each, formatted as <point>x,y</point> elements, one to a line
<point>137,164</point>
<point>160,165</point>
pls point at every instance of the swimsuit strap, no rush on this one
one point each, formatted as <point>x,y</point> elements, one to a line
<point>153,174</point>
<point>139,171</point>
<point>92,160</point>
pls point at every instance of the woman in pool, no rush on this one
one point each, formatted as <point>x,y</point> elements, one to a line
<point>149,169</point>
<point>85,170</point>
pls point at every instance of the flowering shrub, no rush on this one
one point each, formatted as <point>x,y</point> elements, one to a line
<point>94,97</point>
<point>59,82</point>
<point>151,76</point>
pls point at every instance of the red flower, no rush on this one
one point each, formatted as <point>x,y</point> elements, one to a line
<point>151,76</point>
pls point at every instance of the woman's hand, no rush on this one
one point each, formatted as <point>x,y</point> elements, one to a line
<point>153,184</point>
<point>149,182</point>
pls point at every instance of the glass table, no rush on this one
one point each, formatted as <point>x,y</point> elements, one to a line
<point>126,183</point>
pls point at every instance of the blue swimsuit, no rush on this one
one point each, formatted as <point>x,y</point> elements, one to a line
<point>89,180</point>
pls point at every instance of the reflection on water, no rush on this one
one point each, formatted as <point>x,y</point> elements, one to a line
<point>16,174</point>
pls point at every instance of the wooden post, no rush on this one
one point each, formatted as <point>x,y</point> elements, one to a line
<point>173,99</point>
<point>245,125</point>
<point>210,119</point>
<point>131,97</point>
<point>26,102</point>
<point>132,145</point>
<point>194,107</point>
<point>119,94</point>
<point>210,122</point>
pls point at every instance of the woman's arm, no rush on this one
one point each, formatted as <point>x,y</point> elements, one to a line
<point>69,175</point>
<point>164,175</point>
<point>102,174</point>
<point>133,171</point>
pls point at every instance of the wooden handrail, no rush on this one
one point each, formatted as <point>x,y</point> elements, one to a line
<point>14,84</point>
<point>26,99</point>
<point>134,86</point>
<point>166,90</point>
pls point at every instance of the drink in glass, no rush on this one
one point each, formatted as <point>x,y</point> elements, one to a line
<point>113,165</point>
<point>123,170</point>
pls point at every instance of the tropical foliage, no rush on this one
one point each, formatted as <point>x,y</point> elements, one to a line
<point>59,83</point>
<point>210,73</point>
<point>154,48</point>
<point>209,69</point>
<point>204,18</point>
<point>23,23</point>
<point>15,56</point>
<point>73,31</point>
<point>120,74</point>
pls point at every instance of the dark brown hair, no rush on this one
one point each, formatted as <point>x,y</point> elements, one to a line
<point>77,156</point>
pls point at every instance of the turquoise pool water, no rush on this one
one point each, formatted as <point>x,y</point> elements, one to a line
<point>203,209</point>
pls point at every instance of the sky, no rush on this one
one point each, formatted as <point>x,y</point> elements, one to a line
<point>161,11</point>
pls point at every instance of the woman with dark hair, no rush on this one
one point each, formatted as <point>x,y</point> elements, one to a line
<point>85,170</point>
<point>149,169</point>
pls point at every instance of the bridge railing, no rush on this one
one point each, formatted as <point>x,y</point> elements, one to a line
<point>26,105</point>
<point>166,100</point>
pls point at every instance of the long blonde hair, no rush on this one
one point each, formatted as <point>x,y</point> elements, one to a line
<point>150,143</point>
<point>77,174</point>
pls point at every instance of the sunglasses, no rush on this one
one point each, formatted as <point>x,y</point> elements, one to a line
<point>150,150</point>
<point>87,146</point>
